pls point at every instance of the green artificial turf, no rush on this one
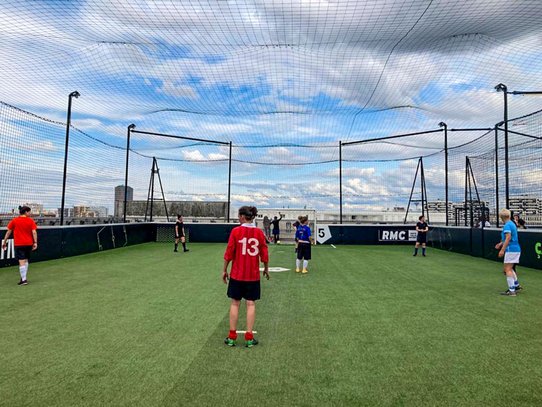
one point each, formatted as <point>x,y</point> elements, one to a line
<point>143,326</point>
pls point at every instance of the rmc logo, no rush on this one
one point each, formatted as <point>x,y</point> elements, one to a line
<point>397,235</point>
<point>9,253</point>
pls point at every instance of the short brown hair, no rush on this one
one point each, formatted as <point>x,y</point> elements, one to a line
<point>303,218</point>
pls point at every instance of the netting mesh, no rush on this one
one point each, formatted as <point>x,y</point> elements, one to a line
<point>283,80</point>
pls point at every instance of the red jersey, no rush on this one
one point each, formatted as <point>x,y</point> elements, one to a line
<point>246,247</point>
<point>22,230</point>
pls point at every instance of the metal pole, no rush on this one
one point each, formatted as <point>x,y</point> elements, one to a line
<point>466,183</point>
<point>442,124</point>
<point>424,190</point>
<point>154,165</point>
<point>506,161</point>
<point>412,190</point>
<point>229,186</point>
<point>74,94</point>
<point>497,174</point>
<point>502,87</point>
<point>340,183</point>
<point>130,128</point>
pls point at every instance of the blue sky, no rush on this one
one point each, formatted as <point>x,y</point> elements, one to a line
<point>255,73</point>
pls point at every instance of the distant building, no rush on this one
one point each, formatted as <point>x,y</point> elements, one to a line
<point>438,206</point>
<point>35,208</point>
<point>68,212</point>
<point>526,204</point>
<point>119,199</point>
<point>194,209</point>
<point>84,211</point>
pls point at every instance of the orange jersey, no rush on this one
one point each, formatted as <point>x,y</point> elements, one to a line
<point>22,228</point>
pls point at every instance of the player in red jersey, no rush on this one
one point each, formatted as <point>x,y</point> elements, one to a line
<point>25,239</point>
<point>246,247</point>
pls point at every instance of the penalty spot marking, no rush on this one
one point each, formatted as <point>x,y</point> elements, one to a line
<point>275,269</point>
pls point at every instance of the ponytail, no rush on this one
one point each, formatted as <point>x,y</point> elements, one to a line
<point>249,212</point>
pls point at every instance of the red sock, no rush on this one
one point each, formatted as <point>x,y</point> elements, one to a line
<point>233,334</point>
<point>249,336</point>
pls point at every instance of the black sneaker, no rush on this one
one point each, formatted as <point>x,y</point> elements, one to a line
<point>175,251</point>
<point>519,288</point>
<point>415,254</point>
<point>509,293</point>
<point>22,282</point>
<point>230,342</point>
<point>424,255</point>
<point>252,342</point>
<point>186,250</point>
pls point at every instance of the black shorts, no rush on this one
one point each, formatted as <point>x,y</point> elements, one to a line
<point>276,232</point>
<point>249,290</point>
<point>178,236</point>
<point>304,251</point>
<point>23,252</point>
<point>421,238</point>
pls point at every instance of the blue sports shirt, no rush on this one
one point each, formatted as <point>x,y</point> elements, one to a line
<point>303,232</point>
<point>513,246</point>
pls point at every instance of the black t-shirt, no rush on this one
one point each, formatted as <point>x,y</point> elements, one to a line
<point>422,226</point>
<point>275,223</point>
<point>180,228</point>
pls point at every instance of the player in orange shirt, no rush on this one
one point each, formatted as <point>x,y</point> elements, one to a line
<point>246,247</point>
<point>25,238</point>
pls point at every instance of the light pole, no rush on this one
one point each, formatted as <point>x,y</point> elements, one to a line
<point>502,88</point>
<point>74,94</point>
<point>340,183</point>
<point>445,126</point>
<point>130,128</point>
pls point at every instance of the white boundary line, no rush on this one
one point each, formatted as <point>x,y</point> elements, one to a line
<point>244,332</point>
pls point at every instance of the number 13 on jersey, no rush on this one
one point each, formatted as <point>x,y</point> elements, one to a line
<point>250,246</point>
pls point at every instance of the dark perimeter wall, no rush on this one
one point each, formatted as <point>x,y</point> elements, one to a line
<point>57,242</point>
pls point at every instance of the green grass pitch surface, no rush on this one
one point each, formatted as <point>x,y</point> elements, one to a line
<point>367,326</point>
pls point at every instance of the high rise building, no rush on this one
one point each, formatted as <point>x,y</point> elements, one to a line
<point>119,199</point>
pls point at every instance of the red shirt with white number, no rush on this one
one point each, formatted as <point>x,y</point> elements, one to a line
<point>246,247</point>
<point>22,230</point>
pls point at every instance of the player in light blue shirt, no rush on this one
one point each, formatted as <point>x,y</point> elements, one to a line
<point>510,249</point>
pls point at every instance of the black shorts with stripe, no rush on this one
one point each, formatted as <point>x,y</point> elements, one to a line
<point>249,290</point>
<point>303,251</point>
<point>421,238</point>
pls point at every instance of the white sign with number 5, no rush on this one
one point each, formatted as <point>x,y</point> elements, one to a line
<point>323,234</point>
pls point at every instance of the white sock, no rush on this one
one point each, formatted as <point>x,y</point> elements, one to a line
<point>297,263</point>
<point>511,285</point>
<point>305,264</point>
<point>22,271</point>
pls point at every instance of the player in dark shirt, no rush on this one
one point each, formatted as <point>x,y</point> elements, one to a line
<point>179,234</point>
<point>422,228</point>
<point>276,228</point>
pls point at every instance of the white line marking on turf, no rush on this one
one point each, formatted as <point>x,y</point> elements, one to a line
<point>275,269</point>
<point>244,332</point>
<point>333,246</point>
